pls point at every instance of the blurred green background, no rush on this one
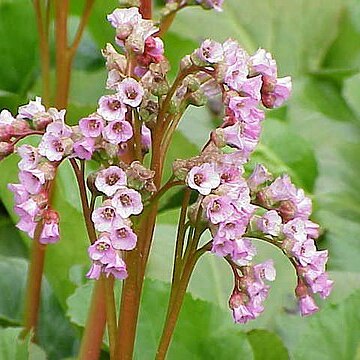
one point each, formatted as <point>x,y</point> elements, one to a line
<point>315,138</point>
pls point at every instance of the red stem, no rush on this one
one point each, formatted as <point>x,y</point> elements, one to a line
<point>95,325</point>
<point>33,290</point>
<point>146,9</point>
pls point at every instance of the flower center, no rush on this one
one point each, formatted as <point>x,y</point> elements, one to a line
<point>58,146</point>
<point>198,179</point>
<point>93,124</point>
<point>102,246</point>
<point>108,213</point>
<point>216,206</point>
<point>112,179</point>
<point>131,93</point>
<point>117,127</point>
<point>125,199</point>
<point>114,105</point>
<point>122,233</point>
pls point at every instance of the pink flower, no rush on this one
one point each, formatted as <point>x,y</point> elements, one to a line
<point>295,230</point>
<point>210,52</point>
<point>113,79</point>
<point>304,251</point>
<point>258,177</point>
<point>233,227</point>
<point>252,87</point>
<point>117,132</point>
<point>270,223</point>
<point>95,271</point>
<point>84,149</point>
<point>6,118</point>
<point>30,110</point>
<point>29,208</point>
<point>102,250</point>
<point>104,217</point>
<point>130,92</point>
<point>203,178</point>
<point>243,136</point>
<point>265,270</point>
<point>27,225</point>
<point>116,268</point>
<point>20,192</point>
<point>29,157</point>
<point>59,129</point>
<point>111,107</point>
<point>50,231</point>
<point>91,126</point>
<point>222,246</point>
<point>242,108</point>
<point>123,238</point>
<point>243,251</point>
<point>54,147</point>
<point>110,180</point>
<point>124,19</point>
<point>218,208</point>
<point>262,63</point>
<point>127,202</point>
<point>32,180</point>
<point>307,305</point>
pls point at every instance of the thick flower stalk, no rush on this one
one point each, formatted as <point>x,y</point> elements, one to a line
<point>128,136</point>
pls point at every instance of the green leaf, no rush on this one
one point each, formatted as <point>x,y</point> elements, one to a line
<point>55,334</point>
<point>203,328</point>
<point>336,143</point>
<point>282,150</point>
<point>299,43</point>
<point>267,346</point>
<point>333,333</point>
<point>12,348</point>
<point>351,93</point>
<point>18,62</point>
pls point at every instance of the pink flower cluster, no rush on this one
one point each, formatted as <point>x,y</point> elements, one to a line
<point>238,210</point>
<point>246,301</point>
<point>135,35</point>
<point>247,82</point>
<point>112,221</point>
<point>288,222</point>
<point>31,195</point>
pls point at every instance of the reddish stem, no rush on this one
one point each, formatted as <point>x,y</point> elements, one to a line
<point>146,9</point>
<point>95,324</point>
<point>33,290</point>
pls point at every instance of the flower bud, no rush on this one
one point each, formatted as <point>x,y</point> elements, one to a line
<point>197,98</point>
<point>5,149</point>
<point>20,126</point>
<point>192,83</point>
<point>185,63</point>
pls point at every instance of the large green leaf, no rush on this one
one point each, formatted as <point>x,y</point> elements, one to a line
<point>331,334</point>
<point>336,143</point>
<point>203,329</point>
<point>18,45</point>
<point>55,334</point>
<point>11,348</point>
<point>293,30</point>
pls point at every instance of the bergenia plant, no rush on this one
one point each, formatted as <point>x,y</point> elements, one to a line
<point>128,138</point>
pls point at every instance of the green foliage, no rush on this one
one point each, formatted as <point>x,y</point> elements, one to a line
<point>55,335</point>
<point>204,330</point>
<point>11,348</point>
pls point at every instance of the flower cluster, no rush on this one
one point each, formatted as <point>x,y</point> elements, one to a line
<point>287,220</point>
<point>112,221</point>
<point>237,210</point>
<point>31,195</point>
